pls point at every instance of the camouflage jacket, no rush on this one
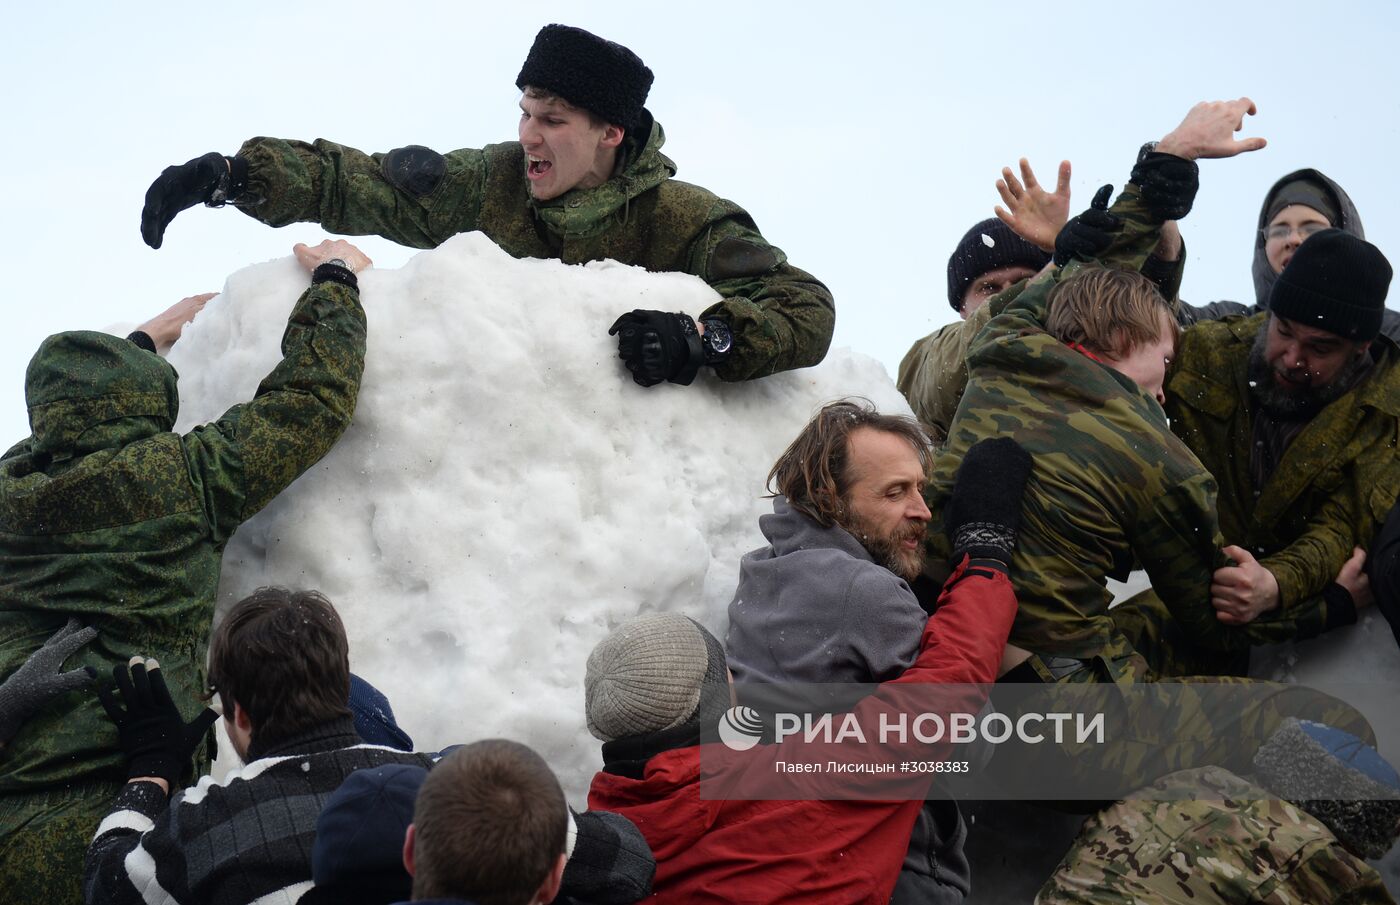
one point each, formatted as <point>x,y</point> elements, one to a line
<point>933,373</point>
<point>781,317</point>
<point>1112,485</point>
<point>1208,837</point>
<point>107,515</point>
<point>1335,483</point>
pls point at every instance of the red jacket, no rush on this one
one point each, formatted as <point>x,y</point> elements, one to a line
<point>828,852</point>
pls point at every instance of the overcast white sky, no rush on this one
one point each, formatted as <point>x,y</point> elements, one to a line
<point>864,137</point>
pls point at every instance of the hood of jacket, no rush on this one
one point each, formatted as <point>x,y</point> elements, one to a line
<point>88,391</point>
<point>788,531</point>
<point>1349,221</point>
<point>641,167</point>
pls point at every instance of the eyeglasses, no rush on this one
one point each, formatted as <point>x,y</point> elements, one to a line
<point>1281,231</point>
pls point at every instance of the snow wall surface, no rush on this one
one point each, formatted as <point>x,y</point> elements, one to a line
<point>506,495</point>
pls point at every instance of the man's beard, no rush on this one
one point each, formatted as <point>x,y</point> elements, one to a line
<point>1300,403</point>
<point>887,550</point>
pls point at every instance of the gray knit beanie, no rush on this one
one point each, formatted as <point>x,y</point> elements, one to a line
<point>656,672</point>
<point>1337,778</point>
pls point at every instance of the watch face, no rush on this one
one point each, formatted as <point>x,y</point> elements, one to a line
<point>719,340</point>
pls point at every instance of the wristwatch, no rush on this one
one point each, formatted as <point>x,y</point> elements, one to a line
<point>1147,148</point>
<point>337,262</point>
<point>717,339</point>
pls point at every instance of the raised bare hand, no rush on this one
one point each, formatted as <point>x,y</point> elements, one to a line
<point>1031,212</point>
<point>1209,129</point>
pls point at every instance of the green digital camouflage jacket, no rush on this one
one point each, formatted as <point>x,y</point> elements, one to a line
<point>1111,487</point>
<point>1208,837</point>
<point>107,515</point>
<point>781,317</point>
<point>1336,481</point>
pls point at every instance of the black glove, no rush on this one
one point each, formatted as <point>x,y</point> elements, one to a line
<point>985,510</point>
<point>657,346</point>
<point>1168,184</point>
<point>39,679</point>
<point>1089,234</point>
<point>212,179</point>
<point>155,738</point>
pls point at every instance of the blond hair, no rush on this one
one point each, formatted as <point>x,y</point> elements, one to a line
<point>1108,311</point>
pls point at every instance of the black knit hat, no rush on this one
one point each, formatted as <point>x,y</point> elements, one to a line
<point>1335,282</point>
<point>990,245</point>
<point>602,77</point>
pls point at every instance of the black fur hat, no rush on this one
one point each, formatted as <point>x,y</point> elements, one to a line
<point>598,75</point>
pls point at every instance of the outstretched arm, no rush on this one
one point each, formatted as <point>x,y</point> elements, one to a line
<point>255,449</point>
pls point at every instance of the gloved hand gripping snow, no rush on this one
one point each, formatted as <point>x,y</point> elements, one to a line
<point>657,346</point>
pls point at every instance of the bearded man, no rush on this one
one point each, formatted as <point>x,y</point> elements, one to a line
<point>829,601</point>
<point>1296,412</point>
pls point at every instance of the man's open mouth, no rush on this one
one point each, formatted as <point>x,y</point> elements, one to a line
<point>535,167</point>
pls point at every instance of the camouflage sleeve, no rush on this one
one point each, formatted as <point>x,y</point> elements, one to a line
<point>1178,544</point>
<point>413,196</point>
<point>1136,237</point>
<point>933,374</point>
<point>782,318</point>
<point>1304,567</point>
<point>255,449</point>
<point>1017,308</point>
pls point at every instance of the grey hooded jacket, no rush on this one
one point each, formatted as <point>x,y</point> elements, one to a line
<point>814,607</point>
<point>1348,220</point>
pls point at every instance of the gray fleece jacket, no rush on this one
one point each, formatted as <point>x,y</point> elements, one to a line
<point>813,606</point>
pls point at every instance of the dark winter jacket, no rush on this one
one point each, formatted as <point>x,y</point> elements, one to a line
<point>1383,568</point>
<point>108,516</point>
<point>1348,220</point>
<point>234,841</point>
<point>732,849</point>
<point>781,317</point>
<point>814,607</point>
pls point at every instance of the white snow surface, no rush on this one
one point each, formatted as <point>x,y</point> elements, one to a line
<point>506,495</point>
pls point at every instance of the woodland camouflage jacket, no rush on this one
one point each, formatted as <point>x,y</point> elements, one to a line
<point>107,515</point>
<point>1112,487</point>
<point>781,317</point>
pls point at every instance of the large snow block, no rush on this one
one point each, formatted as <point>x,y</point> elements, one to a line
<point>506,495</point>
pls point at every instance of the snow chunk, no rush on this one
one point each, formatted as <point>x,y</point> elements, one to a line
<point>506,495</point>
